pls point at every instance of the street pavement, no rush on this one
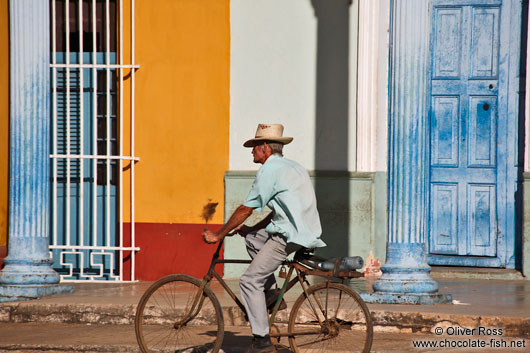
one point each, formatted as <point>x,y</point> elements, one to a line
<point>487,315</point>
<point>75,338</point>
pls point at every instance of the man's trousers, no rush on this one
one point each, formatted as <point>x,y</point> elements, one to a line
<point>267,251</point>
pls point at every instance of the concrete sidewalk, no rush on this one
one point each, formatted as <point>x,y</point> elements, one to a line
<point>476,302</point>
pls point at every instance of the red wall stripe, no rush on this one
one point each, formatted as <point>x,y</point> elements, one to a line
<point>167,248</point>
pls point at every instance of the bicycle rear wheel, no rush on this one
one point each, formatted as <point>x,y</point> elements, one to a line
<point>172,317</point>
<point>331,319</point>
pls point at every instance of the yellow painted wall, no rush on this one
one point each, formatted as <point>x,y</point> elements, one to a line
<point>182,109</point>
<point>4,118</point>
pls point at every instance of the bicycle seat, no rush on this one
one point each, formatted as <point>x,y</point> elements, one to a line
<point>304,253</point>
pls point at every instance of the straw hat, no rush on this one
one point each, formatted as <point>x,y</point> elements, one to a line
<point>268,132</point>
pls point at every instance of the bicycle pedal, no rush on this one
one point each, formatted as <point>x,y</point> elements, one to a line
<point>283,272</point>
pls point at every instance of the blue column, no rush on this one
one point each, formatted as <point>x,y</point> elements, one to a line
<point>28,273</point>
<point>406,275</point>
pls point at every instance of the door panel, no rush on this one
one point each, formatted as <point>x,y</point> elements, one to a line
<point>447,61</point>
<point>484,42</point>
<point>445,131</point>
<point>482,131</point>
<point>482,219</point>
<point>445,206</point>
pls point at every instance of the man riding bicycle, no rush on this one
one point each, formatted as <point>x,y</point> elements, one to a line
<point>284,186</point>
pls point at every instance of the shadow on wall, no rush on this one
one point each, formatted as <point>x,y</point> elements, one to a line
<point>519,193</point>
<point>331,133</point>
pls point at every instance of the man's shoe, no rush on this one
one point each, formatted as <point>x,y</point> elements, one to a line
<point>261,345</point>
<point>271,297</point>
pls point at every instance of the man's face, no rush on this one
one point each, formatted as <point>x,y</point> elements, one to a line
<point>260,153</point>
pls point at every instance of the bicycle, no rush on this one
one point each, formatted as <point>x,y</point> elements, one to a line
<point>327,317</point>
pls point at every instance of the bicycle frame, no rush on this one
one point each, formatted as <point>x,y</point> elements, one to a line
<point>212,273</point>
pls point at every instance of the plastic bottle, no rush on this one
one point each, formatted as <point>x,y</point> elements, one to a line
<point>346,263</point>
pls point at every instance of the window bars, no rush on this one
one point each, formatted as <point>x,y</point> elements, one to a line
<point>89,132</point>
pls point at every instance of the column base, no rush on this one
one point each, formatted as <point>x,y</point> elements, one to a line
<point>402,298</point>
<point>28,272</point>
<point>11,293</point>
<point>406,278</point>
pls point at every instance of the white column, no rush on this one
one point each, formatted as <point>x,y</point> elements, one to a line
<point>406,276</point>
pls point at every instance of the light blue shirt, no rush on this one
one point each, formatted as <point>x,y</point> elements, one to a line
<point>284,186</point>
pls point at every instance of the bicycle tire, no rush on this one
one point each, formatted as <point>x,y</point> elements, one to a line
<point>347,327</point>
<point>160,322</point>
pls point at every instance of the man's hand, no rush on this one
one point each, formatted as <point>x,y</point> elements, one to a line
<point>210,237</point>
<point>238,217</point>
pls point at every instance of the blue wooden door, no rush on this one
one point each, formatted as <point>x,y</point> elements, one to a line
<point>473,128</point>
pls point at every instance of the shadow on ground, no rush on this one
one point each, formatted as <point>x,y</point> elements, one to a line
<point>243,339</point>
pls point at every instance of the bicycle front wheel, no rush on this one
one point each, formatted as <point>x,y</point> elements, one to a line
<point>332,318</point>
<point>172,316</point>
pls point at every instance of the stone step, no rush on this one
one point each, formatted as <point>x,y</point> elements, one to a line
<point>438,272</point>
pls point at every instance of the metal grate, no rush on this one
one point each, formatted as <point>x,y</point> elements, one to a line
<point>88,68</point>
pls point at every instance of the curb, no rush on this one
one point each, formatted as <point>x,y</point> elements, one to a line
<point>411,322</point>
<point>384,320</point>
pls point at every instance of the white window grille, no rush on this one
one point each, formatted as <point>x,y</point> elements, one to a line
<point>89,72</point>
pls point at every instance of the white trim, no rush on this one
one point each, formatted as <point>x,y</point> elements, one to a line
<point>88,247</point>
<point>96,66</point>
<point>367,84</point>
<point>133,254</point>
<point>372,86</point>
<point>67,23</point>
<point>120,135</point>
<point>54,128</point>
<point>81,132</point>
<point>108,134</point>
<point>102,157</point>
<point>95,124</point>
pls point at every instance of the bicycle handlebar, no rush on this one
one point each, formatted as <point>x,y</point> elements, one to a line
<point>216,254</point>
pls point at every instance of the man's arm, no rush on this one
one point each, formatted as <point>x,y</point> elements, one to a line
<point>243,230</point>
<point>238,217</point>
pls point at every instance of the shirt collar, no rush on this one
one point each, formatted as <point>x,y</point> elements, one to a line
<point>273,156</point>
